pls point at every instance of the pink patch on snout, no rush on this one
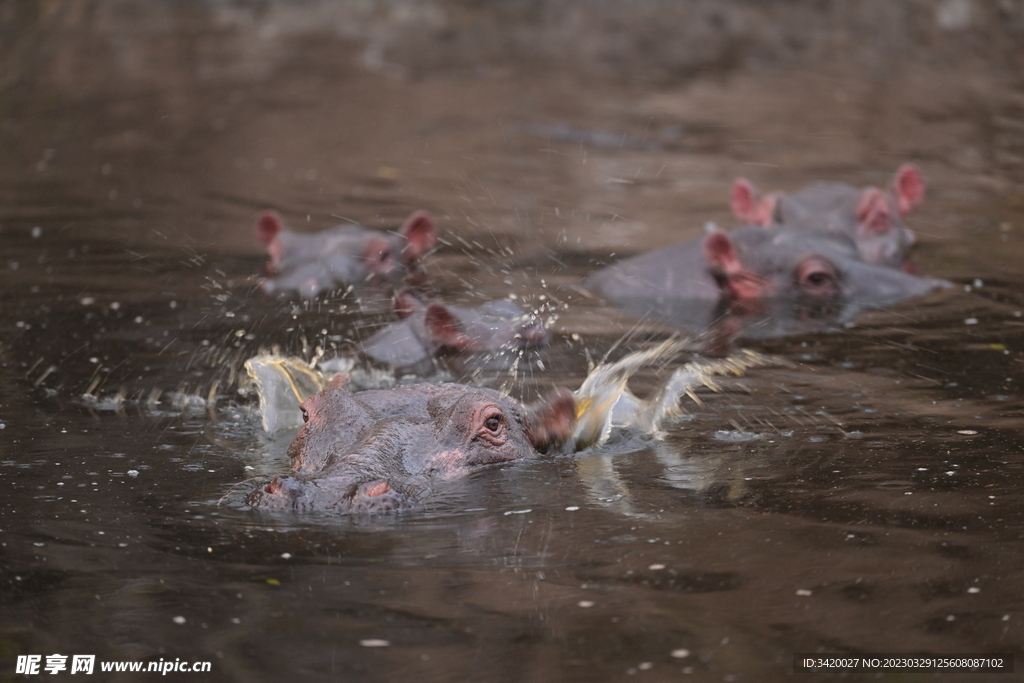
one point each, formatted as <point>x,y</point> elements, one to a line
<point>274,487</point>
<point>446,462</point>
<point>375,489</point>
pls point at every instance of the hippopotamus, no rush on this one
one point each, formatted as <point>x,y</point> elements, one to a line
<point>343,255</point>
<point>493,333</point>
<point>747,268</point>
<point>869,217</point>
<point>380,450</point>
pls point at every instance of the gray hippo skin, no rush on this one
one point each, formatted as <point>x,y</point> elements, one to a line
<point>343,255</point>
<point>493,334</point>
<point>870,217</point>
<point>380,450</point>
<point>751,265</point>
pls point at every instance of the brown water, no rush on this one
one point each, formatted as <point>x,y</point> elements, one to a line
<point>850,503</point>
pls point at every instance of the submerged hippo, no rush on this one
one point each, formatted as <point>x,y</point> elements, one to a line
<point>379,450</point>
<point>755,282</point>
<point>493,335</point>
<point>869,217</point>
<point>752,264</point>
<point>343,255</point>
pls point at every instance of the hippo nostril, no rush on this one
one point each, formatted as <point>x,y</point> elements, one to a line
<point>377,488</point>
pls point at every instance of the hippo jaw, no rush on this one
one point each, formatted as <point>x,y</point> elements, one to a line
<point>330,494</point>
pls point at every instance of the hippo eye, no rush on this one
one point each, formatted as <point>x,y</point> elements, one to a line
<point>818,277</point>
<point>305,415</point>
<point>384,255</point>
<point>493,423</point>
<point>492,429</point>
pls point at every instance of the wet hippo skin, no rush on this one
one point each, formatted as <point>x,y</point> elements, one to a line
<point>751,264</point>
<point>869,217</point>
<point>343,255</point>
<point>379,450</point>
<point>432,330</point>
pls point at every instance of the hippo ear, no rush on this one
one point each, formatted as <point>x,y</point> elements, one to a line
<point>735,280</point>
<point>445,329</point>
<point>749,206</point>
<point>721,254</point>
<point>420,235</point>
<point>406,303</point>
<point>909,188</point>
<point>268,224</point>
<point>874,216</point>
<point>550,421</point>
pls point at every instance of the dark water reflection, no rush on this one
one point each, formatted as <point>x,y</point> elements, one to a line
<point>866,499</point>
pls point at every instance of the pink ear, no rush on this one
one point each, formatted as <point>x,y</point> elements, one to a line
<point>445,329</point>
<point>406,303</point>
<point>766,210</point>
<point>268,225</point>
<point>743,200</point>
<point>551,420</point>
<point>909,188</point>
<point>720,253</point>
<point>873,212</point>
<point>749,205</point>
<point>736,280</point>
<point>421,234</point>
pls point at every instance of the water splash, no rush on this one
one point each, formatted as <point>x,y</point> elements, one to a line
<point>605,403</point>
<point>282,383</point>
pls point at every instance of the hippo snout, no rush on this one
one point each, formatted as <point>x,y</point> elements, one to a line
<point>380,450</point>
<point>270,496</point>
<point>376,496</point>
<point>328,493</point>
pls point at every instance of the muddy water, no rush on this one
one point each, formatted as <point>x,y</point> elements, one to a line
<point>865,499</point>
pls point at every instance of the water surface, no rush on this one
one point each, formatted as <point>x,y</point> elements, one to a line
<point>866,498</point>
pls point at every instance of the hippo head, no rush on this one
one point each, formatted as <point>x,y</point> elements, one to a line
<point>344,255</point>
<point>751,264</point>
<point>379,450</point>
<point>818,273</point>
<point>871,217</point>
<point>492,336</point>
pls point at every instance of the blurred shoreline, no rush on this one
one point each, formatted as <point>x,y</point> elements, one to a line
<point>81,46</point>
